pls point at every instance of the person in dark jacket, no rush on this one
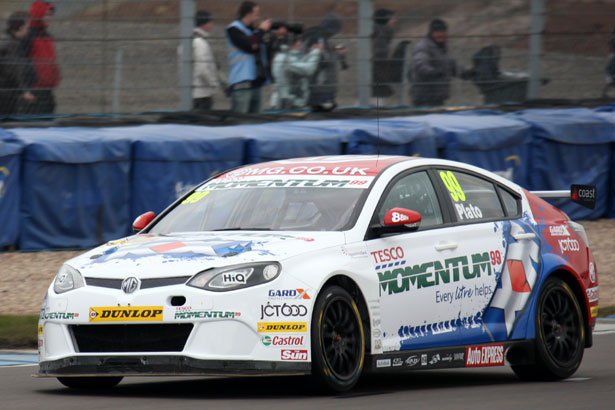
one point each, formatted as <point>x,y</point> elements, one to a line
<point>16,73</point>
<point>432,68</point>
<point>42,52</point>
<point>384,24</point>
<point>323,83</point>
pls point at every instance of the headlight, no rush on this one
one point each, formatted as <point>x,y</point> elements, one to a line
<point>236,277</point>
<point>68,278</point>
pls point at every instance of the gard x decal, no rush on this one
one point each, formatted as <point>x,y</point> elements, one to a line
<point>428,274</point>
<point>126,314</point>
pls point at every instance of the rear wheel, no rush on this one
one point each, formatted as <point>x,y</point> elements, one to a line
<point>93,383</point>
<point>560,334</point>
<point>338,340</point>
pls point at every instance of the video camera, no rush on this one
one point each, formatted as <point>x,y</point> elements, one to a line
<point>295,28</point>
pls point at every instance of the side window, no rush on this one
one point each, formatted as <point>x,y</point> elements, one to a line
<point>414,192</point>
<point>511,203</point>
<point>473,198</point>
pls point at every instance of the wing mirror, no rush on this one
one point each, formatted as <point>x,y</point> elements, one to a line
<point>397,220</point>
<point>142,221</point>
<point>401,216</point>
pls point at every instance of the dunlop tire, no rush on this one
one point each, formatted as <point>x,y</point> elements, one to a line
<point>326,379</point>
<point>546,366</point>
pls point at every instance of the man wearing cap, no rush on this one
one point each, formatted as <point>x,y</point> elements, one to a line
<point>432,67</point>
<point>205,81</point>
<point>42,53</point>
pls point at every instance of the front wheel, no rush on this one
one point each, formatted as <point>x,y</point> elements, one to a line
<point>338,340</point>
<point>90,383</point>
<point>560,334</point>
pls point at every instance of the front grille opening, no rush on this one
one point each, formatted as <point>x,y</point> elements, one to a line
<point>131,338</point>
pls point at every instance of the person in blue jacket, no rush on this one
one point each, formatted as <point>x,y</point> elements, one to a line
<point>247,59</point>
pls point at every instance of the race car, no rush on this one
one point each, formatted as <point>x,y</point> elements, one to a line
<point>330,266</point>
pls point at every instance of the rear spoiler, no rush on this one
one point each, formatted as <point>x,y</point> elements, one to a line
<point>584,195</point>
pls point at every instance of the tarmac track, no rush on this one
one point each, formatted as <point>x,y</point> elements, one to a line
<point>592,387</point>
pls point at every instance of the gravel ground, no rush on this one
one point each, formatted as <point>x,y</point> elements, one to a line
<point>25,276</point>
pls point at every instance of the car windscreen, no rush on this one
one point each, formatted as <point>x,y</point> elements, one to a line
<point>288,208</point>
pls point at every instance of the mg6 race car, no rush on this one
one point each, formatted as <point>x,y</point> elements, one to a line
<point>330,266</point>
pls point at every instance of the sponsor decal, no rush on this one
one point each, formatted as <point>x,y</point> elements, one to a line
<point>423,360</point>
<point>397,362</point>
<point>383,363</point>
<point>592,294</point>
<point>289,294</point>
<point>594,311</point>
<point>283,340</point>
<point>447,358</point>
<point>126,314</point>
<point>459,356</point>
<point>451,270</point>
<point>284,310</point>
<point>58,315</point>
<point>206,314</point>
<point>584,195</point>
<point>490,355</point>
<point>294,354</point>
<point>592,272</point>
<point>387,255</point>
<point>434,359</point>
<point>463,292</point>
<point>40,330</point>
<point>281,327</point>
<point>235,278</point>
<point>289,182</point>
<point>559,230</point>
<point>412,361</point>
<point>568,244</point>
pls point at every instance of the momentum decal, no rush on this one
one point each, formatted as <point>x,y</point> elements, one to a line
<point>402,279</point>
<point>58,315</point>
<point>126,314</point>
<point>206,314</point>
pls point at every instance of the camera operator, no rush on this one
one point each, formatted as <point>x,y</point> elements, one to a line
<point>323,84</point>
<point>248,59</point>
<point>292,69</point>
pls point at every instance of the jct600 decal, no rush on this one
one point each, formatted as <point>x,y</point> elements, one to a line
<point>283,310</point>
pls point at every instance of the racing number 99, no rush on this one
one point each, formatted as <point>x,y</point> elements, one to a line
<point>451,183</point>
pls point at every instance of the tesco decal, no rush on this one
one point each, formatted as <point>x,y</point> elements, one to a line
<point>387,255</point>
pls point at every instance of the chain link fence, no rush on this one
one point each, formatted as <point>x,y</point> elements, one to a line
<point>124,56</point>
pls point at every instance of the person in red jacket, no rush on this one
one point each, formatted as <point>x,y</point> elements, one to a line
<point>42,52</point>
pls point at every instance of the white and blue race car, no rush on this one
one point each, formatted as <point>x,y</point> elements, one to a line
<point>330,266</point>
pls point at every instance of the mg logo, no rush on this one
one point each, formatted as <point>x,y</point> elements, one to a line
<point>130,284</point>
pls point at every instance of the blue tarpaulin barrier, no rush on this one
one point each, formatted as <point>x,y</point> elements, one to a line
<point>570,146</point>
<point>10,164</point>
<point>75,191</point>
<point>168,160</point>
<point>607,113</point>
<point>482,138</point>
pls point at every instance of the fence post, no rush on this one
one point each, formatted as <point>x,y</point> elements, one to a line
<point>536,29</point>
<point>186,25</point>
<point>405,84</point>
<point>364,53</point>
<point>117,81</point>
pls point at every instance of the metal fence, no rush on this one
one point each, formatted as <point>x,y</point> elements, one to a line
<point>124,56</point>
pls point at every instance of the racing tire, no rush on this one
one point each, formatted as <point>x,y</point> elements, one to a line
<point>338,341</point>
<point>560,334</point>
<point>90,383</point>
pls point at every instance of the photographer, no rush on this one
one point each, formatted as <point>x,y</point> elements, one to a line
<point>247,58</point>
<point>291,69</point>
<point>323,84</point>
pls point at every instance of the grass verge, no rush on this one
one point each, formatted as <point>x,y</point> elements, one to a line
<point>20,331</point>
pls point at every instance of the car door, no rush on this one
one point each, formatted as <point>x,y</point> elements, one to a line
<point>434,282</point>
